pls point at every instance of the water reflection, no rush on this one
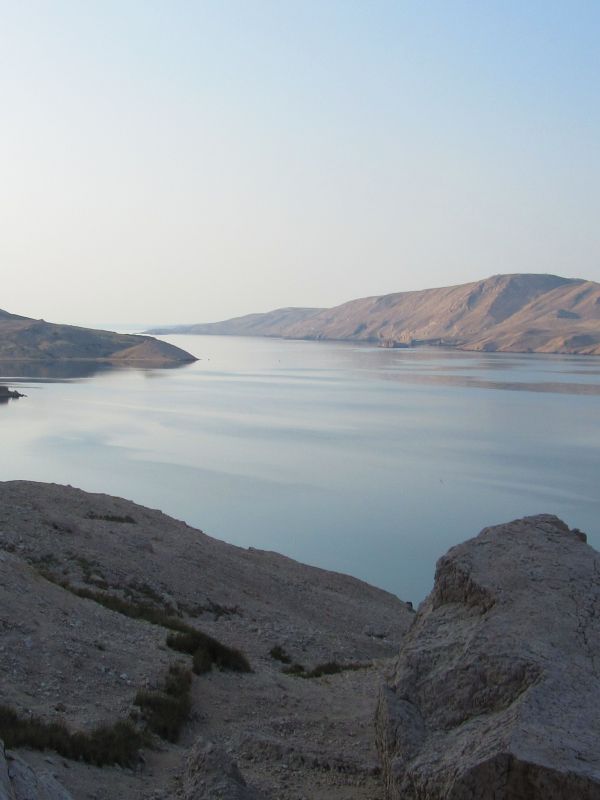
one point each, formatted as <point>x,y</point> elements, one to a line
<point>350,457</point>
<point>73,370</point>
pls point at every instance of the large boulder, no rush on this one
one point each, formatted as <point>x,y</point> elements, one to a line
<point>211,774</point>
<point>496,691</point>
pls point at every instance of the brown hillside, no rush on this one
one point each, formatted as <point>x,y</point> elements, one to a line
<point>24,339</point>
<point>518,313</point>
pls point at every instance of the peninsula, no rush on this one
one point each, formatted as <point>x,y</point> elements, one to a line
<point>25,339</point>
<point>520,313</point>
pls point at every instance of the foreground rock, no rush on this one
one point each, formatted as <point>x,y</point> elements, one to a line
<point>495,691</point>
<point>211,773</point>
<point>66,658</point>
<point>18,781</point>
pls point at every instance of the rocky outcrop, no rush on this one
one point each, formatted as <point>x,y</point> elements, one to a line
<point>211,773</point>
<point>77,569</point>
<point>5,787</point>
<point>7,394</point>
<point>18,781</point>
<point>495,690</point>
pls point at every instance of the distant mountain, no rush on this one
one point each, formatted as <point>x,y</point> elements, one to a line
<point>24,339</point>
<point>273,323</point>
<point>510,313</point>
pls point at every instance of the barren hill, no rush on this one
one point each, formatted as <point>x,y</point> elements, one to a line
<point>24,339</point>
<point>273,323</point>
<point>516,313</point>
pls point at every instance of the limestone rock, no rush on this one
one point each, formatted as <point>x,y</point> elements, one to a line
<point>213,775</point>
<point>495,691</point>
<point>18,781</point>
<point>5,788</point>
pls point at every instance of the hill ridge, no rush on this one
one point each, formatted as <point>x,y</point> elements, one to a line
<point>512,312</point>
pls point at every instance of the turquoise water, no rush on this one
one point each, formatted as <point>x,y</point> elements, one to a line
<point>362,460</point>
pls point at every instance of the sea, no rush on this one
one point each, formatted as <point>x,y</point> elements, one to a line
<point>353,458</point>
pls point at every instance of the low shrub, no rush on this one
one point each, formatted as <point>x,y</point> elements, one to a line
<point>107,744</point>
<point>328,668</point>
<point>295,669</point>
<point>184,638</point>
<point>167,708</point>
<point>135,610</point>
<point>279,654</point>
<point>207,651</point>
<point>126,519</point>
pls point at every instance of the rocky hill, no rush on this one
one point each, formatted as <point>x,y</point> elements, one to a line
<point>273,323</point>
<point>23,339</point>
<point>514,313</point>
<point>142,659</point>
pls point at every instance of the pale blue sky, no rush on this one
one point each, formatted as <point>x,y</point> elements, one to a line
<point>188,161</point>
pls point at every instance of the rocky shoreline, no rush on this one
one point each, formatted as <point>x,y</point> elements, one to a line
<point>7,394</point>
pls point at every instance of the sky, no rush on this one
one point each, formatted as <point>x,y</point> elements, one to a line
<point>175,161</point>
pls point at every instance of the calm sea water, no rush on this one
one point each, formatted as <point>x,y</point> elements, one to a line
<point>367,461</point>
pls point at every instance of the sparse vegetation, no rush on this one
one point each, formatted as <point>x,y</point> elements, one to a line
<point>126,519</point>
<point>279,654</point>
<point>128,608</point>
<point>328,668</point>
<point>210,607</point>
<point>207,651</point>
<point>145,611</point>
<point>144,589</point>
<point>166,709</point>
<point>295,669</point>
<point>107,744</point>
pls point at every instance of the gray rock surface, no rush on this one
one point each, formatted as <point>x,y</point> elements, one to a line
<point>5,787</point>
<point>495,691</point>
<point>18,781</point>
<point>67,658</point>
<point>212,774</point>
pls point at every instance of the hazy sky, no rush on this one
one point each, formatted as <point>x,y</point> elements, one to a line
<point>181,161</point>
